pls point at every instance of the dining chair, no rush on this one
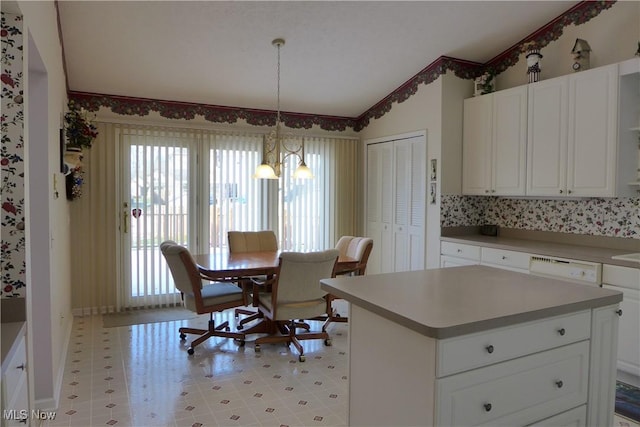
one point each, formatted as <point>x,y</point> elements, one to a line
<point>358,248</point>
<point>295,294</point>
<point>200,298</point>
<point>250,241</point>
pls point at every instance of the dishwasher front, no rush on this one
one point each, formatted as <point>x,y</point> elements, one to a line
<point>583,272</point>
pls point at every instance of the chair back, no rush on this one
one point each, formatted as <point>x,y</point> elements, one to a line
<point>252,241</point>
<point>358,248</point>
<point>300,274</point>
<point>182,266</point>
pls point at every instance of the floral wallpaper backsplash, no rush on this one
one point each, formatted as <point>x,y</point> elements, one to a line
<point>12,158</point>
<point>618,217</point>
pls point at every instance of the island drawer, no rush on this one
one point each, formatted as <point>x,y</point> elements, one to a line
<point>506,259</point>
<point>574,417</point>
<point>516,392</point>
<point>460,250</point>
<point>472,351</point>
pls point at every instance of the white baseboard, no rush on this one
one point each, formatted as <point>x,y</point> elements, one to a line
<point>60,377</point>
<point>91,311</point>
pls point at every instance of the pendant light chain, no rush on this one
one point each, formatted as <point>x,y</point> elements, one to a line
<point>272,144</point>
<point>278,97</point>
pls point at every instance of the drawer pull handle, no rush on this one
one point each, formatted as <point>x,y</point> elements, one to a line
<point>489,349</point>
<point>559,384</point>
<point>487,407</point>
<point>561,331</point>
<point>20,367</point>
<point>504,257</point>
<point>619,312</point>
<point>459,250</point>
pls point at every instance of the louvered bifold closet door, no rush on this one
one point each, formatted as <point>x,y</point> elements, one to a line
<point>416,227</point>
<point>158,205</point>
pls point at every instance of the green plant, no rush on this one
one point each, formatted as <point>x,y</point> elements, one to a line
<point>487,84</point>
<point>79,129</point>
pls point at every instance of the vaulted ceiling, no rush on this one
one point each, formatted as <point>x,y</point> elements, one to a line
<point>340,57</point>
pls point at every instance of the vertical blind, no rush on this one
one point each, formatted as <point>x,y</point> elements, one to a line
<point>146,184</point>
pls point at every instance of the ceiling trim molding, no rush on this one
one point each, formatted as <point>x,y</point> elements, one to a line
<point>129,106</point>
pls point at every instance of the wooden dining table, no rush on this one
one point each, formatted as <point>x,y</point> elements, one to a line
<point>224,265</point>
<point>219,265</point>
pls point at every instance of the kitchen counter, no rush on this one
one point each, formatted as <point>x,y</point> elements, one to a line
<point>442,303</point>
<point>453,346</point>
<point>538,247</point>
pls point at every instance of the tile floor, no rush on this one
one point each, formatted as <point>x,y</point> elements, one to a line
<point>141,376</point>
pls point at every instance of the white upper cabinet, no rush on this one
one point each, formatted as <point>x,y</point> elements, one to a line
<point>547,138</point>
<point>572,135</point>
<point>476,145</point>
<point>592,136</point>
<point>494,143</point>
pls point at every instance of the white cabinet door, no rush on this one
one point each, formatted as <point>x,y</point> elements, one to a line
<point>476,145</point>
<point>629,331</point>
<point>602,373</point>
<point>572,135</point>
<point>415,229</point>
<point>509,142</point>
<point>401,151</point>
<point>379,206</point>
<point>592,136</point>
<point>547,137</point>
<point>494,143</point>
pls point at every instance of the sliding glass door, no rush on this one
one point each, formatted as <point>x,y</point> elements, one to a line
<point>193,186</point>
<point>157,205</point>
<point>186,187</point>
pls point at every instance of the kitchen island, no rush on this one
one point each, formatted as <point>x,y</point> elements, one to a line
<point>476,345</point>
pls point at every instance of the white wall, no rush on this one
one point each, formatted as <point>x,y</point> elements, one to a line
<point>48,338</point>
<point>441,116</point>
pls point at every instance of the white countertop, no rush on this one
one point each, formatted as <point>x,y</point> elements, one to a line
<point>447,302</point>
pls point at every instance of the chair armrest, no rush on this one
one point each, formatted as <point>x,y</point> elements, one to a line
<point>261,286</point>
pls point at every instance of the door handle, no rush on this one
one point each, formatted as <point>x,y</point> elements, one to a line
<point>125,219</point>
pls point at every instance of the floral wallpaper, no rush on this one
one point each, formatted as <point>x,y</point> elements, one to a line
<point>618,217</point>
<point>11,159</point>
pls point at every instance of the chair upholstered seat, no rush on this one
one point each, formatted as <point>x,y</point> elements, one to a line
<point>219,293</point>
<point>296,294</point>
<point>294,309</point>
<point>213,297</point>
